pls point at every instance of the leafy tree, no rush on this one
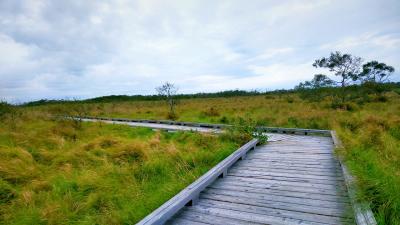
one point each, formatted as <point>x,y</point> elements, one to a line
<point>5,108</point>
<point>319,81</point>
<point>168,91</point>
<point>346,66</point>
<point>375,71</point>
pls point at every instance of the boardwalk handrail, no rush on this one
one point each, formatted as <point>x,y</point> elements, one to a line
<point>190,194</point>
<point>362,211</point>
<point>216,126</point>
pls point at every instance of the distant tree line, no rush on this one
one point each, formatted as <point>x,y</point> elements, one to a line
<point>356,80</point>
<point>122,98</point>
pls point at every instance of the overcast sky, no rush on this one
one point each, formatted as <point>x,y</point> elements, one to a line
<point>81,49</point>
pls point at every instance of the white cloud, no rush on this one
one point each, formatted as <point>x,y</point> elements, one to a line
<point>366,40</point>
<point>12,52</point>
<point>274,52</point>
<point>56,49</point>
<point>272,76</point>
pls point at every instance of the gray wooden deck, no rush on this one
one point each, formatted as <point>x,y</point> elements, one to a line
<point>291,180</point>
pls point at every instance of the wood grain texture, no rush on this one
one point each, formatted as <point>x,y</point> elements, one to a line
<point>296,180</point>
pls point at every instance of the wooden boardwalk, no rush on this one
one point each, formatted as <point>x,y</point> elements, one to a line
<point>292,180</point>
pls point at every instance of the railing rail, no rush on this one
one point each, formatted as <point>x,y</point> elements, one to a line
<point>190,194</point>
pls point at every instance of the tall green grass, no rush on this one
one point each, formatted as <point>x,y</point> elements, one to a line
<point>65,172</point>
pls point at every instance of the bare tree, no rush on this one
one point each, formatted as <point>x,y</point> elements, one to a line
<point>168,91</point>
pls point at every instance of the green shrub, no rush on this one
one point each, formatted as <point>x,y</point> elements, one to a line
<point>243,131</point>
<point>224,120</point>
<point>211,112</point>
<point>7,193</point>
<point>5,108</point>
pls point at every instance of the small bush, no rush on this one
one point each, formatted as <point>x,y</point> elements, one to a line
<point>395,132</point>
<point>172,116</point>
<point>134,152</point>
<point>224,120</point>
<point>67,129</point>
<point>348,106</point>
<point>212,112</point>
<point>244,131</point>
<point>350,123</point>
<point>17,165</point>
<point>261,136</point>
<point>5,108</point>
<point>151,170</point>
<point>381,98</point>
<point>7,193</point>
<point>290,100</point>
<point>108,142</point>
<point>293,121</point>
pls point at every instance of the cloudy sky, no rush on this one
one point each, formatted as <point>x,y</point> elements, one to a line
<point>80,49</point>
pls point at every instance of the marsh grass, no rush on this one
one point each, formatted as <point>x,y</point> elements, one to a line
<point>369,127</point>
<point>111,174</point>
<point>56,171</point>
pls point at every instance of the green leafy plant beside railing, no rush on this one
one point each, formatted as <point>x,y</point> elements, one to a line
<point>244,130</point>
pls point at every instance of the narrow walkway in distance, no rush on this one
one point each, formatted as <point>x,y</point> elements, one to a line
<point>292,180</point>
<point>159,126</point>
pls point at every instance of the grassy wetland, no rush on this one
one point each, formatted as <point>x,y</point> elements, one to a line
<point>63,172</point>
<point>57,171</point>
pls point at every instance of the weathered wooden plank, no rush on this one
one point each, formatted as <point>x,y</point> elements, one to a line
<point>288,164</point>
<point>288,142</point>
<point>287,178</point>
<point>287,188</point>
<point>294,156</point>
<point>311,170</point>
<point>297,151</point>
<point>298,144</point>
<point>287,152</point>
<point>250,180</point>
<point>304,154</point>
<point>299,162</point>
<point>187,221</point>
<point>305,160</point>
<point>326,176</point>
<point>295,192</point>
<point>250,217</point>
<point>265,210</point>
<point>198,215</point>
<point>279,205</point>
<point>284,172</point>
<point>251,196</point>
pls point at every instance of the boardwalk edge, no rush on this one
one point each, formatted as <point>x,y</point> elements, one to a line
<point>362,211</point>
